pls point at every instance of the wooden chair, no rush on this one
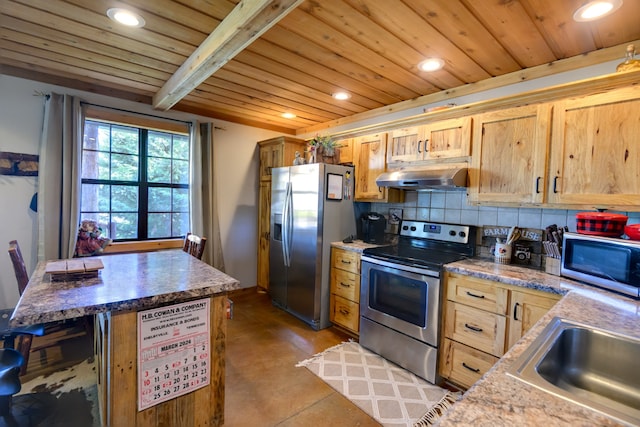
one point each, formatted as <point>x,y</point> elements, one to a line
<point>194,245</point>
<point>57,331</point>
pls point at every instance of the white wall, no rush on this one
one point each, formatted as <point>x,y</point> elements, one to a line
<point>236,162</point>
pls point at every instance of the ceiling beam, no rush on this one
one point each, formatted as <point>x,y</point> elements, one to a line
<point>246,22</point>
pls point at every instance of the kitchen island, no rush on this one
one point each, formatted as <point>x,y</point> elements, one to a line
<point>129,289</point>
<point>498,399</point>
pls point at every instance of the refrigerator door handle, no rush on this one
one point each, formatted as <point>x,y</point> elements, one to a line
<point>285,226</point>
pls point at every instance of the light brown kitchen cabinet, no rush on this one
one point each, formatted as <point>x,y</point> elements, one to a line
<point>509,151</point>
<point>264,226</point>
<point>406,144</point>
<point>439,140</point>
<point>595,155</point>
<point>345,289</point>
<point>344,151</point>
<point>526,308</point>
<point>369,158</point>
<point>273,153</point>
<point>482,319</point>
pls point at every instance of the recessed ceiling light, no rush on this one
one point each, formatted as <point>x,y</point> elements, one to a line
<point>288,115</point>
<point>596,9</point>
<point>125,17</point>
<point>341,96</point>
<point>431,64</point>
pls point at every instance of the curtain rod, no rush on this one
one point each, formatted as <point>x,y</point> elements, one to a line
<point>135,112</point>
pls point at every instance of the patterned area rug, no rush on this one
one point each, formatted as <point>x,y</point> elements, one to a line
<point>391,395</point>
<point>68,397</point>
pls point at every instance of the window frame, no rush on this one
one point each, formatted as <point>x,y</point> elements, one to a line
<point>143,125</point>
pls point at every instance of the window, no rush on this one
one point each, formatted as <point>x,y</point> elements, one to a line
<point>135,181</point>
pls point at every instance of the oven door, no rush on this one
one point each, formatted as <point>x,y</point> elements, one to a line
<point>403,298</point>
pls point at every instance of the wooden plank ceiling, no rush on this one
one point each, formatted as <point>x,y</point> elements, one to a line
<point>293,59</point>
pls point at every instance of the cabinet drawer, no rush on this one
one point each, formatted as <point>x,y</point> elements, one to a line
<point>476,328</point>
<point>346,260</point>
<point>345,284</point>
<point>345,313</point>
<point>464,365</point>
<point>478,293</point>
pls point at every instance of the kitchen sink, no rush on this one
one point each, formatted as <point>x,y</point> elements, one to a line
<point>592,367</point>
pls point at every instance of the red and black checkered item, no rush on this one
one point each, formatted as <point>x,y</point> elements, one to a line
<point>601,223</point>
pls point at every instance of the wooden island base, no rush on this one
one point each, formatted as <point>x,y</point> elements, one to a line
<point>117,364</point>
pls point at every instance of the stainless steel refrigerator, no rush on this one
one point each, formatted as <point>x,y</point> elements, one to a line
<point>311,206</point>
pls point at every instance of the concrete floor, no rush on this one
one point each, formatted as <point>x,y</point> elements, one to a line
<point>263,386</point>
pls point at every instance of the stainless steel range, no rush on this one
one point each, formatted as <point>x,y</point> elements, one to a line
<point>400,293</point>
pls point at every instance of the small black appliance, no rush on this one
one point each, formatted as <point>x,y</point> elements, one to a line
<point>373,226</point>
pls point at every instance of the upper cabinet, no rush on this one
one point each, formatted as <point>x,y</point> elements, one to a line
<point>595,154</point>
<point>274,153</point>
<point>344,151</point>
<point>438,140</point>
<point>509,150</point>
<point>369,158</point>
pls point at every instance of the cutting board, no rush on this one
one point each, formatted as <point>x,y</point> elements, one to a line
<point>71,268</point>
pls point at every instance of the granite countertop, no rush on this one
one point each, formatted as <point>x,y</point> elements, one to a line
<point>501,400</point>
<point>134,281</point>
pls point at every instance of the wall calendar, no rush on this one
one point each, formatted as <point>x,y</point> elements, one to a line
<point>173,351</point>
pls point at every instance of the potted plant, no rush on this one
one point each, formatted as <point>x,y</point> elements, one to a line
<point>321,147</point>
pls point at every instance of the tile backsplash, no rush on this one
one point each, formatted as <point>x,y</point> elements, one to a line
<point>451,207</point>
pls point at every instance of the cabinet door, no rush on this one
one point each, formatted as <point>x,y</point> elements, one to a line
<point>264,216</point>
<point>478,293</point>
<point>369,158</point>
<point>344,151</point>
<point>595,155</point>
<point>462,364</point>
<point>345,313</point>
<point>447,139</point>
<point>270,157</point>
<point>476,328</point>
<point>345,260</point>
<point>525,310</point>
<point>509,150</point>
<point>406,144</point>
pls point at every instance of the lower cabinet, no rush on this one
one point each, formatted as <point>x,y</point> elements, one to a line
<point>482,320</point>
<point>345,289</point>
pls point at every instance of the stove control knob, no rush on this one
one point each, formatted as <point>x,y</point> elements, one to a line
<point>462,234</point>
<point>413,228</point>
<point>452,233</point>
<point>405,227</point>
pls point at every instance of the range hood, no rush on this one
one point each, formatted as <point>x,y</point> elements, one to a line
<point>441,177</point>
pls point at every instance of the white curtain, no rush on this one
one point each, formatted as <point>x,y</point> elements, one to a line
<point>204,203</point>
<point>59,176</point>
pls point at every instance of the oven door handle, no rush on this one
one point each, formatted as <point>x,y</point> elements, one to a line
<point>398,266</point>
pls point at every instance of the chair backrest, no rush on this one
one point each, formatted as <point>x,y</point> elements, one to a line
<point>194,245</point>
<point>18,265</point>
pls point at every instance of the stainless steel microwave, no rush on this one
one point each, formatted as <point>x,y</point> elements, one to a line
<point>613,264</point>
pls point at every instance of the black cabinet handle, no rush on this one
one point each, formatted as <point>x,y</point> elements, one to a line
<point>419,142</point>
<point>426,149</point>
<point>345,285</point>
<point>538,184</point>
<point>515,310</point>
<point>474,295</point>
<point>473,328</point>
<point>476,370</point>
<point>345,262</point>
<point>555,184</point>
